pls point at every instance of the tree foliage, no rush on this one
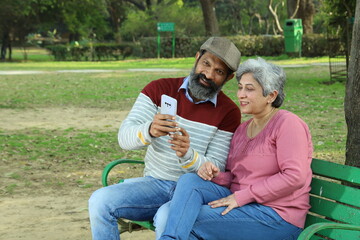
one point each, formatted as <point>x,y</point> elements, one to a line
<point>338,13</point>
<point>83,19</point>
<point>17,18</point>
<point>129,20</point>
<point>245,17</point>
<point>143,23</point>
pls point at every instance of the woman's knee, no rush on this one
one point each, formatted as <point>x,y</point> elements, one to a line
<point>160,219</point>
<point>190,178</point>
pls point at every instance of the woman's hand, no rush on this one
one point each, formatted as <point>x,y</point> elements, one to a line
<point>180,141</point>
<point>229,202</point>
<point>208,171</point>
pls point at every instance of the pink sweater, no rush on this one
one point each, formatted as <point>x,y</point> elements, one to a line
<point>273,168</point>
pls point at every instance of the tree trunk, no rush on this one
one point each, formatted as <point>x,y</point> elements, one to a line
<point>3,49</point>
<point>210,20</point>
<point>303,9</point>
<point>352,96</point>
<point>6,44</point>
<point>292,8</point>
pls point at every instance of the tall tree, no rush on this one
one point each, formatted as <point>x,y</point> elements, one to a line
<point>273,11</point>
<point>246,17</point>
<point>117,14</point>
<point>303,9</point>
<point>14,14</point>
<point>292,8</point>
<point>18,18</point>
<point>210,20</point>
<point>140,23</point>
<point>352,96</point>
<point>83,20</point>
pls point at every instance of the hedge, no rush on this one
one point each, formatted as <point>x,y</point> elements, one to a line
<point>264,45</point>
<point>93,52</point>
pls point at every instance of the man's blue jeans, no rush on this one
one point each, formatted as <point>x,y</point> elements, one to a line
<point>189,216</point>
<point>134,199</point>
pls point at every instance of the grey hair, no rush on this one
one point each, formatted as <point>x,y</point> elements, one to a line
<point>270,77</point>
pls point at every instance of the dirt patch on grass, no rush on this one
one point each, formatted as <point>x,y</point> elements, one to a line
<point>41,202</point>
<point>61,118</point>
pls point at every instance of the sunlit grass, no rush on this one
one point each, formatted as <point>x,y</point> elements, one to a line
<point>62,147</point>
<point>318,104</point>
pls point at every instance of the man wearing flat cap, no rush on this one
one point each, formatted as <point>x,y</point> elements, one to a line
<point>201,131</point>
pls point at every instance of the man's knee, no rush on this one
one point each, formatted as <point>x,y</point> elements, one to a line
<point>97,200</point>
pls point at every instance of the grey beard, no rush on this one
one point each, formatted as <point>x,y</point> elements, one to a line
<point>199,91</point>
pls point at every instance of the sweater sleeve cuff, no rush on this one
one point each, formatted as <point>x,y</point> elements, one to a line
<point>244,197</point>
<point>144,134</point>
<point>189,158</point>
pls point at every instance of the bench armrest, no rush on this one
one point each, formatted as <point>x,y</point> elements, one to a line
<point>104,180</point>
<point>308,232</point>
<point>111,165</point>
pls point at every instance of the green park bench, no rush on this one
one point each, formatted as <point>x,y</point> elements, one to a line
<point>334,199</point>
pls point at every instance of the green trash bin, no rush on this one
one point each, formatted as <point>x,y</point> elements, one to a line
<point>293,32</point>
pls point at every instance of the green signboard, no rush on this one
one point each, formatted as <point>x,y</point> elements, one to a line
<point>166,27</point>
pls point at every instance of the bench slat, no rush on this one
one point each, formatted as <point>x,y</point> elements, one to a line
<point>340,234</point>
<point>335,191</point>
<point>336,171</point>
<point>312,219</point>
<point>336,211</point>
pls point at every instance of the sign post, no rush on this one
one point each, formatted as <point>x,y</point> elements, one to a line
<point>166,27</point>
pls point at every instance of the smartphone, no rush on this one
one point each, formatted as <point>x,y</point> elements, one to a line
<point>168,105</point>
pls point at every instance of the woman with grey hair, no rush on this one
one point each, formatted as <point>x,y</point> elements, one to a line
<point>264,191</point>
<point>269,76</point>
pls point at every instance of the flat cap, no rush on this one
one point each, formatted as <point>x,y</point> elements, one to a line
<point>225,50</point>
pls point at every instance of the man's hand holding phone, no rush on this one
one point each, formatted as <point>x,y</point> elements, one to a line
<point>164,122</point>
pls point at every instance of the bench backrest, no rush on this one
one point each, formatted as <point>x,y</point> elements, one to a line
<point>334,197</point>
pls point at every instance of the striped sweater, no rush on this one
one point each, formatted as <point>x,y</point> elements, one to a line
<point>210,129</point>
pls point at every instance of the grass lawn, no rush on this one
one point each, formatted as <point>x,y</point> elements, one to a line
<point>48,173</point>
<point>318,104</point>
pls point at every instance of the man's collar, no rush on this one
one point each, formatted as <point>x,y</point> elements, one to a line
<point>185,86</point>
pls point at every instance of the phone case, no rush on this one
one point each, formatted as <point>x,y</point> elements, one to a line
<point>168,105</point>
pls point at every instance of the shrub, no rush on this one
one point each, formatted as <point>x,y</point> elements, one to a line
<point>60,52</point>
<point>262,45</point>
<point>93,52</point>
<point>314,45</point>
